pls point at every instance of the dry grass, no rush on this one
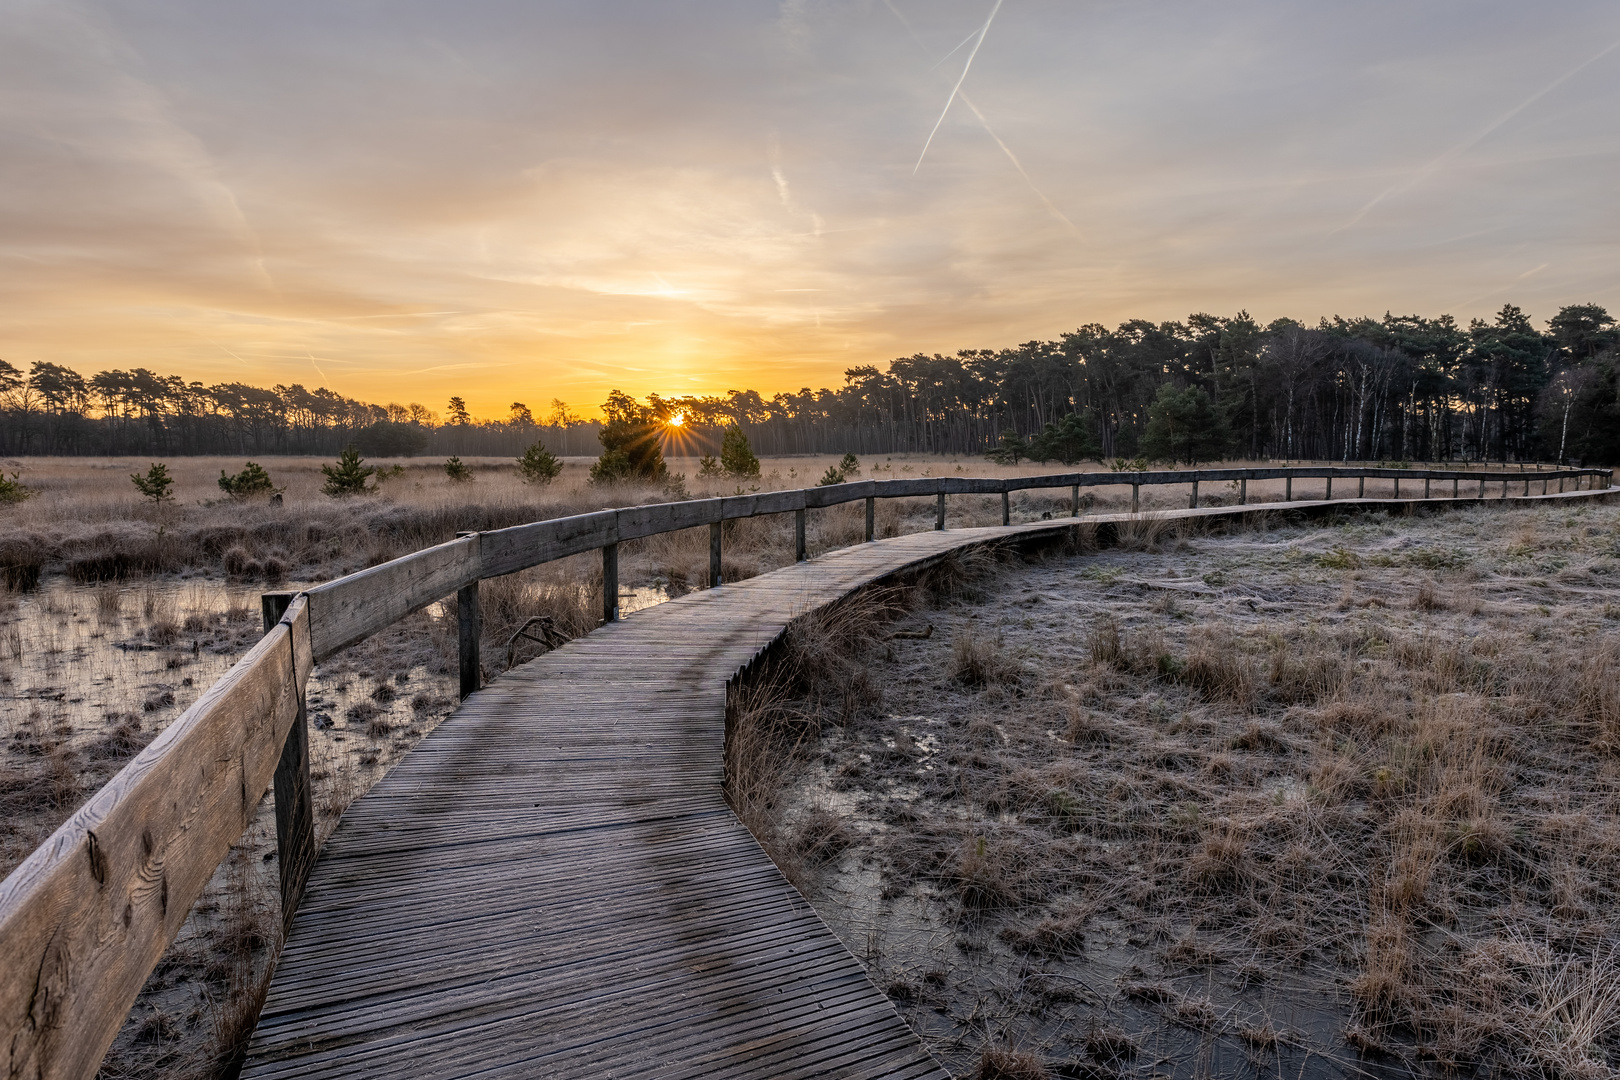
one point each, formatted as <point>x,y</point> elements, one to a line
<point>1397,814</point>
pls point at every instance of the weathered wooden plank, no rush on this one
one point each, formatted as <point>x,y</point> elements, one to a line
<point>87,915</point>
<point>655,518</point>
<point>836,494</point>
<point>905,489</point>
<point>766,502</point>
<point>506,551</point>
<point>975,485</point>
<point>353,608</point>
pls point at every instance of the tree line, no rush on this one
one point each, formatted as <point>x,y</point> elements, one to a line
<point>54,410</point>
<point>1404,387</point>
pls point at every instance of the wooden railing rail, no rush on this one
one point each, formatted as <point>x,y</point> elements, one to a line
<point>85,918</point>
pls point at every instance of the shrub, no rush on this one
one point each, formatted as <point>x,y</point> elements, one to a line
<point>1010,450</point>
<point>252,480</point>
<point>830,477</point>
<point>12,490</point>
<point>613,467</point>
<point>849,465</point>
<point>348,476</point>
<point>155,484</point>
<point>1070,440</point>
<point>455,470</point>
<point>709,466</point>
<point>737,458</point>
<point>538,465</point>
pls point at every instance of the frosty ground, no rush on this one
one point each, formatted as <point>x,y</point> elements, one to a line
<point>1310,798</point>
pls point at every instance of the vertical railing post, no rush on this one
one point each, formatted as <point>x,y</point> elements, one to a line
<point>1329,495</point>
<point>610,583</point>
<point>871,518</point>
<point>1136,498</point>
<point>1006,508</point>
<point>1526,483</point>
<point>469,631</point>
<point>1560,485</point>
<point>1288,488</point>
<point>799,554</point>
<point>939,513</point>
<point>1192,503</point>
<point>1074,500</point>
<point>714,554</point>
<point>295,809</point>
<point>1397,487</point>
<point>1361,486</point>
<point>1482,486</point>
<point>1426,480</point>
<point>1243,491</point>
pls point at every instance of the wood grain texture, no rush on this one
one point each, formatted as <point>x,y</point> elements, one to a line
<point>353,608</point>
<point>85,918</point>
<point>506,551</point>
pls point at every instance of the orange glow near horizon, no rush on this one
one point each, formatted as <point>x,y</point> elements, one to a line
<point>550,202</point>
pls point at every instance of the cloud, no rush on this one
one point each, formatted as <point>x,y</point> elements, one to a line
<point>549,200</point>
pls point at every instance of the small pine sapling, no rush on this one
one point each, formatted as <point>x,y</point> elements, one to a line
<point>12,490</point>
<point>736,456</point>
<point>455,470</point>
<point>252,480</point>
<point>849,465</point>
<point>538,465</point>
<point>348,476</point>
<point>155,484</point>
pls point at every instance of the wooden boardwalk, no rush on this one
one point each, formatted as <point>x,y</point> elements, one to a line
<point>552,884</point>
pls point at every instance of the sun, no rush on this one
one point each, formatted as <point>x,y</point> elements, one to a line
<point>677,420</point>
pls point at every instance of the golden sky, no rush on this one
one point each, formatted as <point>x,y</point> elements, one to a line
<point>526,201</point>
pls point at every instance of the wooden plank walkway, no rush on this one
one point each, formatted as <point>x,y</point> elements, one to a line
<point>552,884</point>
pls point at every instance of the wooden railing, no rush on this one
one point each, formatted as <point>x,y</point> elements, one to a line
<point>85,918</point>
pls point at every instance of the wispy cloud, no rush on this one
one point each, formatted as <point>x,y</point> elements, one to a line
<point>1468,144</point>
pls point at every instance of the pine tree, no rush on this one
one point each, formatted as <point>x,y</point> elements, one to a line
<point>348,477</point>
<point>455,470</point>
<point>1184,425</point>
<point>736,456</point>
<point>155,484</point>
<point>252,480</point>
<point>538,465</point>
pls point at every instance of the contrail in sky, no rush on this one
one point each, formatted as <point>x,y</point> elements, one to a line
<point>1462,148</point>
<point>985,29</point>
<point>1051,207</point>
<point>954,51</point>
